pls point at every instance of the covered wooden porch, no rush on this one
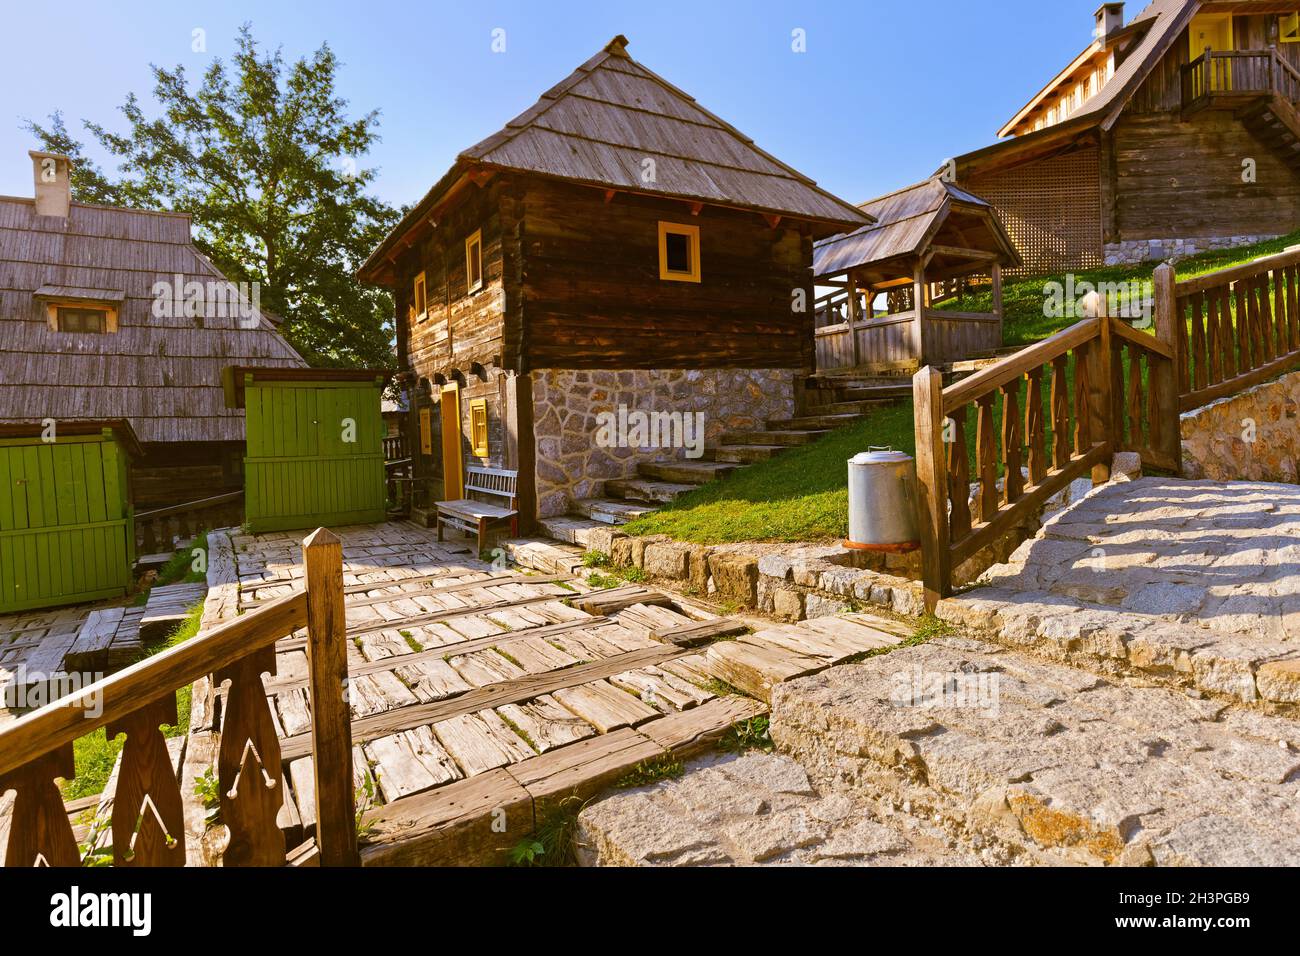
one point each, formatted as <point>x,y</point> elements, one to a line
<point>929,241</point>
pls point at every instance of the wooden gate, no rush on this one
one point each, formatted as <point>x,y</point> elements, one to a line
<point>314,447</point>
<point>66,527</point>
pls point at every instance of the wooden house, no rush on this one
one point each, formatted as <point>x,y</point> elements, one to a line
<point>616,246</point>
<point>927,240</point>
<point>110,313</point>
<point>1171,134</point>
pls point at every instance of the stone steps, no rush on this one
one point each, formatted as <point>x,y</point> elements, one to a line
<point>609,511</point>
<point>815,423</point>
<point>776,436</point>
<point>686,472</point>
<point>746,454</point>
<point>1186,583</point>
<point>1035,762</point>
<point>644,489</point>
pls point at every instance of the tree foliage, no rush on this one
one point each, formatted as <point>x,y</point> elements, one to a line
<point>262,154</point>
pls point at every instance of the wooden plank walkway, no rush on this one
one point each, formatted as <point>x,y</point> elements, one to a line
<point>481,696</point>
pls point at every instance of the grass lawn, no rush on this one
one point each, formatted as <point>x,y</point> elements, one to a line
<point>802,494</point>
<point>94,753</point>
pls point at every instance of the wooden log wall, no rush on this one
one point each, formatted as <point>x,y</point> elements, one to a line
<point>592,296</point>
<point>1184,179</point>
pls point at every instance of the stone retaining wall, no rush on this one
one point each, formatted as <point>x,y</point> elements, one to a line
<point>1137,251</point>
<point>570,462</point>
<point>1253,436</point>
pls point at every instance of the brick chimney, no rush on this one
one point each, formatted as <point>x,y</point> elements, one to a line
<point>53,185</point>
<point>1110,17</point>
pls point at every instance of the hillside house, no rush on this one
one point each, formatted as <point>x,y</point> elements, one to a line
<point>111,313</point>
<point>616,246</point>
<point>1171,134</point>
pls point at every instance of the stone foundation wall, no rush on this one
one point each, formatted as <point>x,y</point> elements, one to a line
<point>571,464</point>
<point>1134,252</point>
<point>1253,436</point>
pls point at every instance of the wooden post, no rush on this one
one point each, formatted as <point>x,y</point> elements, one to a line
<point>852,319</point>
<point>997,293</point>
<point>932,485</point>
<point>1164,377</point>
<point>918,301</point>
<point>331,722</point>
<point>1100,391</point>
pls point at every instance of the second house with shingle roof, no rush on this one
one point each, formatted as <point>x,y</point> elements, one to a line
<point>613,278</point>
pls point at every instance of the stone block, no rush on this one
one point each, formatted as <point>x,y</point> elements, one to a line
<point>736,576</point>
<point>667,559</point>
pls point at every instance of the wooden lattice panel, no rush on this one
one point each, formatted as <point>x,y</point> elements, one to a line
<point>1051,209</point>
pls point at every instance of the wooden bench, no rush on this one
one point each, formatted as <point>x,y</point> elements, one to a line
<point>473,516</point>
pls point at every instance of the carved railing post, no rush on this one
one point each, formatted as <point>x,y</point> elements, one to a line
<point>148,820</point>
<point>331,727</point>
<point>39,832</point>
<point>249,770</point>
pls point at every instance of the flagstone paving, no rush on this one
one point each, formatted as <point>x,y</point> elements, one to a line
<point>1194,583</point>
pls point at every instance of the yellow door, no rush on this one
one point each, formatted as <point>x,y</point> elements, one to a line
<point>1213,31</point>
<point>453,487</point>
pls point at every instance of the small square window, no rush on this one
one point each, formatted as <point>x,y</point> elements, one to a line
<point>478,428</point>
<point>419,298</point>
<point>82,320</point>
<point>679,252</point>
<point>474,261</point>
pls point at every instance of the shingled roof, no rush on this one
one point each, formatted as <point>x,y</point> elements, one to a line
<point>161,374</point>
<point>1157,26</point>
<point>906,222</point>
<point>600,124</point>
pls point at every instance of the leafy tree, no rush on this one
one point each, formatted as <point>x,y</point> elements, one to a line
<point>262,155</point>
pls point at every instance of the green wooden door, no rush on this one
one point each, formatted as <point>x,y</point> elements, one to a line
<point>66,529</point>
<point>315,454</point>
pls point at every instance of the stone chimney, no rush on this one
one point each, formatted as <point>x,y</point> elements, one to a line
<point>1110,17</point>
<point>53,185</point>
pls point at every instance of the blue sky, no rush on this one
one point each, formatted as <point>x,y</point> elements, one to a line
<point>884,93</point>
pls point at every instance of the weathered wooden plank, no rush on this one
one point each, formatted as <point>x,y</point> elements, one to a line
<point>698,632</point>
<point>604,706</point>
<point>692,731</point>
<point>546,723</point>
<point>475,747</point>
<point>756,668</point>
<point>410,761</point>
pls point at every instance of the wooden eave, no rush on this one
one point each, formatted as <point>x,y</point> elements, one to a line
<point>120,427</point>
<point>234,377</point>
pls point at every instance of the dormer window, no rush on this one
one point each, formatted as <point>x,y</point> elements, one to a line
<point>679,252</point>
<point>81,320</point>
<point>69,309</point>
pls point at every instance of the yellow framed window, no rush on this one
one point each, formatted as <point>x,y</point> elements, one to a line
<point>474,261</point>
<point>1288,28</point>
<point>679,252</point>
<point>478,428</point>
<point>419,297</point>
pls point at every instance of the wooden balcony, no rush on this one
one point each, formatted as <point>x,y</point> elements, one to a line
<point>1233,78</point>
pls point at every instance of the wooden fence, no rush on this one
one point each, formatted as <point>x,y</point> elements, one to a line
<point>1059,408</point>
<point>1241,73</point>
<point>1239,327</point>
<point>148,828</point>
<point>395,447</point>
<point>845,340</point>
<point>157,530</point>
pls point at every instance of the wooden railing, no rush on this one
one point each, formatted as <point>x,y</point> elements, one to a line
<point>1238,72</point>
<point>395,447</point>
<point>147,817</point>
<point>156,530</point>
<point>1095,388</point>
<point>1237,327</point>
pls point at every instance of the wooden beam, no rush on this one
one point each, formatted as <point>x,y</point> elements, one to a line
<point>696,207</point>
<point>932,485</point>
<point>959,252</point>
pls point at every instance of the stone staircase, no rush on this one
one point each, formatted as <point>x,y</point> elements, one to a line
<point>1125,691</point>
<point>832,401</point>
